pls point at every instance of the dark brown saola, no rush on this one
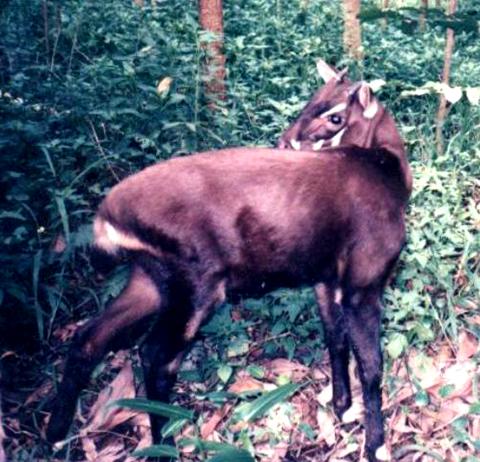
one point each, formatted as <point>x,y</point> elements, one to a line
<point>242,222</point>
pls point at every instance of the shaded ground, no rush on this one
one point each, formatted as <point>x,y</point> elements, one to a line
<point>430,402</point>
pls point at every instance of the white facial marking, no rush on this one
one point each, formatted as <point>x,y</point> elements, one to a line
<point>295,144</point>
<point>338,108</point>
<point>371,110</point>
<point>335,141</point>
<point>338,296</point>
<point>382,453</point>
<point>318,145</point>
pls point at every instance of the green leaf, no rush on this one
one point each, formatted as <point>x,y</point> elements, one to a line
<point>446,390</point>
<point>421,398</point>
<point>238,347</point>
<point>155,407</point>
<point>396,345</point>
<point>173,427</point>
<point>224,372</point>
<point>257,372</point>
<point>251,410</point>
<point>157,450</point>
<point>232,455</point>
<point>475,408</point>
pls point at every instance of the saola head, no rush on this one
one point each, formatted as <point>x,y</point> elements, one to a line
<point>344,113</point>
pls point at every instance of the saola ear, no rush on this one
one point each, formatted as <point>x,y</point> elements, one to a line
<point>328,73</point>
<point>366,99</point>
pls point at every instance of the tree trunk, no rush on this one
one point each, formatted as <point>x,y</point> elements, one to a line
<point>384,5</point>
<point>352,33</point>
<point>423,14</point>
<point>211,21</point>
<point>442,105</point>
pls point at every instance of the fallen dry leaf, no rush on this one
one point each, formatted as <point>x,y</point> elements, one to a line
<point>89,449</point>
<point>270,453</point>
<point>326,395</point>
<point>326,426</point>
<point>104,417</point>
<point>425,369</point>
<point>41,392</point>
<point>245,382</point>
<point>65,333</point>
<point>211,424</point>
<point>467,346</point>
<point>460,376</point>
<point>286,368</point>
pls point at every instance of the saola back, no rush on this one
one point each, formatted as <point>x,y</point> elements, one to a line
<point>241,222</point>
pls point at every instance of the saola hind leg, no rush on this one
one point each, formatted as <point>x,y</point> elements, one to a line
<point>163,349</point>
<point>139,299</point>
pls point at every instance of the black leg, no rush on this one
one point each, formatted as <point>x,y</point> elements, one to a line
<point>172,333</point>
<point>363,312</point>
<point>138,300</point>
<point>329,302</point>
<point>161,355</point>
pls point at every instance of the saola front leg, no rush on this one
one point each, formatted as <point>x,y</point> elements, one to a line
<point>363,312</point>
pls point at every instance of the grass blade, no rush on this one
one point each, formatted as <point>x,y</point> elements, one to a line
<point>157,450</point>
<point>232,455</point>
<point>155,407</point>
<point>253,409</point>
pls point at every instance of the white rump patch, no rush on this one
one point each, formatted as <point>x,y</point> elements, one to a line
<point>337,108</point>
<point>335,141</point>
<point>382,453</point>
<point>295,144</point>
<point>318,145</point>
<point>110,239</point>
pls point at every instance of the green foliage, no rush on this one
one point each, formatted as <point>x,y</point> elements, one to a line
<point>250,411</point>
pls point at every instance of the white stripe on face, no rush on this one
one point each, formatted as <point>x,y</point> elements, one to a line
<point>295,144</point>
<point>338,108</point>
<point>318,145</point>
<point>335,141</point>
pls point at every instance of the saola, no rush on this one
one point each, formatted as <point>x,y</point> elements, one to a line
<point>241,222</point>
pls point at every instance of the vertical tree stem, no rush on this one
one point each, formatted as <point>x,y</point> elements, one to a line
<point>352,32</point>
<point>442,104</point>
<point>211,20</point>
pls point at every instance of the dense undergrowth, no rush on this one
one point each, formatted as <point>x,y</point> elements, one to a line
<point>80,109</point>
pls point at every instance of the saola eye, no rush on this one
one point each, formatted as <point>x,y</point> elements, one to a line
<point>335,119</point>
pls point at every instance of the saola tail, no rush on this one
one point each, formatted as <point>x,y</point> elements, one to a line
<point>103,262</point>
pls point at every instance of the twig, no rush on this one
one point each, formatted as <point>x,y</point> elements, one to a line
<point>45,26</point>
<point>101,151</point>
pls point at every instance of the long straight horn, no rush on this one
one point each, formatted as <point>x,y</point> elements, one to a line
<point>325,71</point>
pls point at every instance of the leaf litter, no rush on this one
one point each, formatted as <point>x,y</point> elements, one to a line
<point>431,404</point>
